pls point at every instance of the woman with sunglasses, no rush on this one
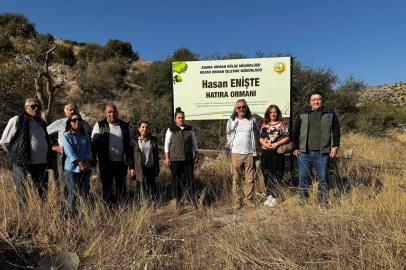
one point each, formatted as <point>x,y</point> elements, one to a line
<point>180,143</point>
<point>76,145</point>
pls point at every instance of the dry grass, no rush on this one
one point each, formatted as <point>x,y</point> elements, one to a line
<point>140,65</point>
<point>392,147</point>
<point>363,227</point>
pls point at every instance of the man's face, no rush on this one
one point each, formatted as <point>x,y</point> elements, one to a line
<point>241,109</point>
<point>34,109</point>
<point>70,108</point>
<point>112,114</point>
<point>316,101</point>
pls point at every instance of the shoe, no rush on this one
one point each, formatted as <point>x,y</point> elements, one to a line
<point>237,206</point>
<point>249,203</point>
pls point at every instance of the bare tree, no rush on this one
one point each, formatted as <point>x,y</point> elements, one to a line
<point>41,58</point>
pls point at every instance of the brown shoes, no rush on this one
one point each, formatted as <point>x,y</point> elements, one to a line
<point>237,206</point>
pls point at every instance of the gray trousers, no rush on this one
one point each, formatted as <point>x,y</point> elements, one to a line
<point>60,160</point>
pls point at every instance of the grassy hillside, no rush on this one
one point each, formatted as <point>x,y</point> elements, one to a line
<point>364,226</point>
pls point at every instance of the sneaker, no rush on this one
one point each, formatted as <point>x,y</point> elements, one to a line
<point>249,203</point>
<point>237,206</point>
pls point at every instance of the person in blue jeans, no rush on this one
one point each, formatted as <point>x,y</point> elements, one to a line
<point>316,138</point>
<point>76,145</point>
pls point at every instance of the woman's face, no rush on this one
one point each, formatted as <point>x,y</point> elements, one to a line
<point>76,122</point>
<point>273,115</point>
<point>180,119</point>
<point>144,129</point>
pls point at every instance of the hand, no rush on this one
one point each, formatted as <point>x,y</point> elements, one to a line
<point>83,166</point>
<point>132,173</point>
<point>196,159</point>
<point>273,146</point>
<point>333,152</point>
<point>296,152</point>
<point>167,162</point>
<point>57,148</point>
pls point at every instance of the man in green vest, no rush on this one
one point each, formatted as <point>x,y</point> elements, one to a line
<point>314,130</point>
<point>111,144</point>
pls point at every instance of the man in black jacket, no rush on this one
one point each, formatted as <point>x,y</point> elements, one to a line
<point>312,135</point>
<point>26,140</point>
<point>111,144</point>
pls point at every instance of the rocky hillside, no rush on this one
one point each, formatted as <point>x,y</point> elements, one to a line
<point>394,93</point>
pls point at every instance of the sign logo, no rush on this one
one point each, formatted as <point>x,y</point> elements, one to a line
<point>279,68</point>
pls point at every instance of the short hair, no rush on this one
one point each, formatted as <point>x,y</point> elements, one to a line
<point>248,114</point>
<point>178,110</point>
<point>316,93</point>
<point>110,105</point>
<point>139,125</point>
<point>27,102</point>
<point>64,107</point>
<point>267,119</point>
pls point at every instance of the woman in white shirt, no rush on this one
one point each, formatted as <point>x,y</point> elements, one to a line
<point>180,143</point>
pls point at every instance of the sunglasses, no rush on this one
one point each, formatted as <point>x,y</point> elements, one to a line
<point>34,106</point>
<point>76,119</point>
<point>241,107</point>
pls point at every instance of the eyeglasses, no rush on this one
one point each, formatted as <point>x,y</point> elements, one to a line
<point>77,119</point>
<point>241,107</point>
<point>316,99</point>
<point>34,106</point>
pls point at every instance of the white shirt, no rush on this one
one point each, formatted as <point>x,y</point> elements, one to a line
<point>115,140</point>
<point>242,141</point>
<point>38,143</point>
<point>147,155</point>
<point>168,136</point>
<point>59,126</point>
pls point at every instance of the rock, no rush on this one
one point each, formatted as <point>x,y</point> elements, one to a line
<point>60,261</point>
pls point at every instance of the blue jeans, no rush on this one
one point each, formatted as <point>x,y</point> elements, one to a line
<point>320,162</point>
<point>39,176</point>
<point>77,184</point>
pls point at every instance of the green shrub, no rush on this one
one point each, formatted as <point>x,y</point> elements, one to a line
<point>184,54</point>
<point>92,52</point>
<point>64,55</point>
<point>16,24</point>
<point>6,49</point>
<point>118,48</point>
<point>375,118</point>
<point>16,85</point>
<point>156,78</point>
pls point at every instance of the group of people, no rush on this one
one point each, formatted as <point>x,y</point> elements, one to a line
<point>28,140</point>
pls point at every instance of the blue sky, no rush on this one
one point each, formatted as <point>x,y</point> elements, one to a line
<point>363,38</point>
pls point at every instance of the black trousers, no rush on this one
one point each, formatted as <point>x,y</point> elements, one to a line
<point>147,187</point>
<point>179,187</point>
<point>110,170</point>
<point>273,169</point>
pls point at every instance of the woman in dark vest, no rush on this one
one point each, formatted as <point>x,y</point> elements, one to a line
<point>145,168</point>
<point>180,143</point>
<point>76,145</point>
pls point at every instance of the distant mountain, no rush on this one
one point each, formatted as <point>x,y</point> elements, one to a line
<point>394,93</point>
